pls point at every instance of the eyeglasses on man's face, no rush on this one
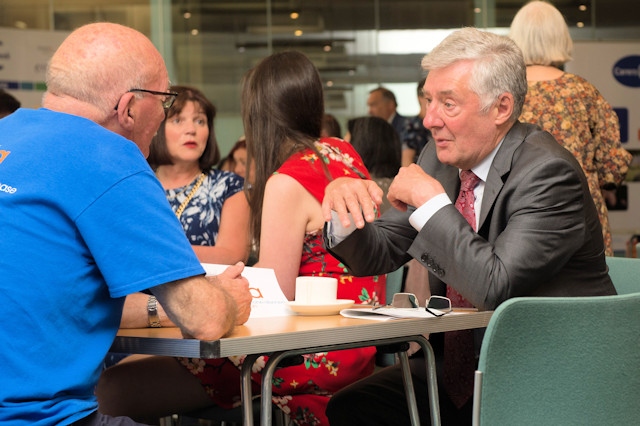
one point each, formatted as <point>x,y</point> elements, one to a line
<point>436,305</point>
<point>167,97</point>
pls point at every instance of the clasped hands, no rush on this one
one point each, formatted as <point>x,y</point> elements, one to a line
<point>359,197</point>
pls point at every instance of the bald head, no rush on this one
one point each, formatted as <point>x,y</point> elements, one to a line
<point>99,62</point>
<point>92,73</point>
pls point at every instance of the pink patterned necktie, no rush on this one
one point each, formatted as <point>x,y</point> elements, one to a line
<point>459,352</point>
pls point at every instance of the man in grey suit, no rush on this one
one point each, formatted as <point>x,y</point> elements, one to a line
<point>538,232</point>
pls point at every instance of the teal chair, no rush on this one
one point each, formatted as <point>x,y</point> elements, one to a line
<point>625,274</point>
<point>560,361</point>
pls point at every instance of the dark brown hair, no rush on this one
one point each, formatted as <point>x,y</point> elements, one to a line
<point>240,144</point>
<point>378,144</point>
<point>158,152</point>
<point>331,126</point>
<point>282,108</point>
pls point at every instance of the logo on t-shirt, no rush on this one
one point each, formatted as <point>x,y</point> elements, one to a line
<point>4,187</point>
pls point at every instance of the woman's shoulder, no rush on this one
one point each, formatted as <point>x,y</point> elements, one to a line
<point>579,82</point>
<point>338,149</point>
<point>333,141</point>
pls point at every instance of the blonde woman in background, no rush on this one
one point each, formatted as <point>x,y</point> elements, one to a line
<point>567,105</point>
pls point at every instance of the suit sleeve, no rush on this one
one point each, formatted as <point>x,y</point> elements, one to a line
<point>378,248</point>
<point>536,225</point>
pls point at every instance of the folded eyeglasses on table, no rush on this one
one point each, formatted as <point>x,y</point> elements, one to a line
<point>435,305</point>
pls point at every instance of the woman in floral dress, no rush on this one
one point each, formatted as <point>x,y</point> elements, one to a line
<point>568,106</point>
<point>282,104</point>
<point>282,112</point>
<point>208,202</point>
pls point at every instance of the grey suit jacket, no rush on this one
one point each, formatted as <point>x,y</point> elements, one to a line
<point>539,232</point>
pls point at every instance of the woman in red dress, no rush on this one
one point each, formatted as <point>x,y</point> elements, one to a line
<point>289,166</point>
<point>282,104</point>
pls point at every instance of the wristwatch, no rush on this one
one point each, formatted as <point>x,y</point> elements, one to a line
<point>152,312</point>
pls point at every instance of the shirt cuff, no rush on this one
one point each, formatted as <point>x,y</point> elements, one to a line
<point>336,233</point>
<point>423,213</point>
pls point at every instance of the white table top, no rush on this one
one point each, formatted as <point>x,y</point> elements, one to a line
<point>265,335</point>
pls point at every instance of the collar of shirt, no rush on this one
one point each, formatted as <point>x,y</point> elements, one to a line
<point>391,117</point>
<point>482,171</point>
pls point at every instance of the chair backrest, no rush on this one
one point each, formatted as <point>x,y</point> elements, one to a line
<point>625,274</point>
<point>394,283</point>
<point>560,361</point>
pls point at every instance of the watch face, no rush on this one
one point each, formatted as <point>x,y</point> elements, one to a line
<point>152,312</point>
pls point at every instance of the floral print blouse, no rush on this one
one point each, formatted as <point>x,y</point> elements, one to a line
<point>579,117</point>
<point>201,217</point>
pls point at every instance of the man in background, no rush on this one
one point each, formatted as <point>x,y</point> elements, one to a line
<point>382,103</point>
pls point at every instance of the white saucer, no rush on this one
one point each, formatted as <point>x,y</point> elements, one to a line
<point>331,309</point>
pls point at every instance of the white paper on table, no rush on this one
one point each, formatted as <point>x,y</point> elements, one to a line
<point>268,298</point>
<point>386,314</point>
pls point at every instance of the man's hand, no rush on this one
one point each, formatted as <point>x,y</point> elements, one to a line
<point>351,195</point>
<point>237,287</point>
<point>412,187</point>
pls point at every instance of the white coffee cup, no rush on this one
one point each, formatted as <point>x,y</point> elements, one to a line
<point>316,290</point>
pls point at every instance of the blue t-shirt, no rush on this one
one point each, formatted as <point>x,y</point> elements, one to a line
<point>77,203</point>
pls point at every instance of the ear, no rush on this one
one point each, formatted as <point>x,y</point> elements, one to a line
<point>124,112</point>
<point>504,108</point>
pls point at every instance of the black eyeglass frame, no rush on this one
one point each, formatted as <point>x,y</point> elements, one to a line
<point>441,304</point>
<point>170,97</point>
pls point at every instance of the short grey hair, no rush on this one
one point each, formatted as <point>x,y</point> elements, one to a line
<point>498,65</point>
<point>540,31</point>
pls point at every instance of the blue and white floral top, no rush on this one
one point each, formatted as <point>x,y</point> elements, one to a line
<point>201,217</point>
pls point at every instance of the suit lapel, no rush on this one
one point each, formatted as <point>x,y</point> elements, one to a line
<point>500,168</point>
<point>449,178</point>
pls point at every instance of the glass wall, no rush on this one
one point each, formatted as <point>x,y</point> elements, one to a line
<point>356,44</point>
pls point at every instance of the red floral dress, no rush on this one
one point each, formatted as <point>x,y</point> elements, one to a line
<point>302,391</point>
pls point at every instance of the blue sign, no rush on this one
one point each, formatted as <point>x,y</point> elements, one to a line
<point>627,71</point>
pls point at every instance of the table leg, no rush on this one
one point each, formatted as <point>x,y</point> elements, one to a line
<point>432,379</point>
<point>408,388</point>
<point>245,389</point>
<point>267,391</point>
<point>276,357</point>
